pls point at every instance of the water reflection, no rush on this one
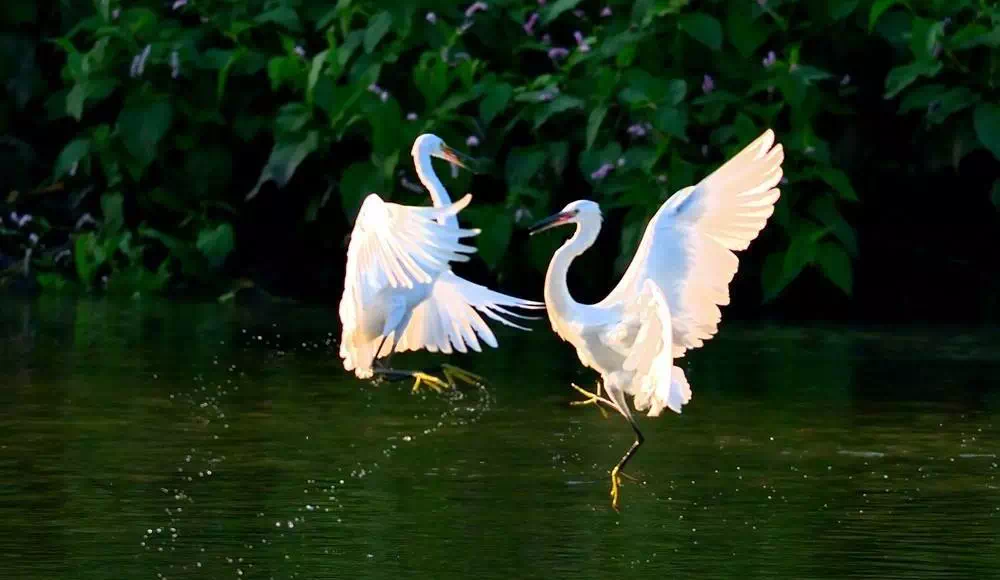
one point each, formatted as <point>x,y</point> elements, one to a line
<point>192,441</point>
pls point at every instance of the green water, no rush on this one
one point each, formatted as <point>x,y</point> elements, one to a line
<point>149,440</point>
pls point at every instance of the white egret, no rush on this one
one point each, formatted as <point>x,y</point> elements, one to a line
<point>399,291</point>
<point>668,300</point>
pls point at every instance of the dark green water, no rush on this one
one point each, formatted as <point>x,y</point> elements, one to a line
<point>148,440</point>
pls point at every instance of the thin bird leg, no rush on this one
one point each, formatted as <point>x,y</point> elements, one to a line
<point>593,399</point>
<point>452,372</point>
<point>616,473</point>
<point>419,378</point>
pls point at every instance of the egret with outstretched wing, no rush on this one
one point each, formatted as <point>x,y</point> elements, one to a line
<point>668,300</point>
<point>399,291</point>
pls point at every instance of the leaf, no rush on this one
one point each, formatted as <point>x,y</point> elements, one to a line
<point>703,28</point>
<point>314,71</point>
<point>522,164</point>
<point>291,118</point>
<point>377,28</point>
<point>284,70</point>
<point>283,16</point>
<point>676,91</point>
<point>216,243</point>
<point>949,103</point>
<point>743,33</point>
<point>878,9</point>
<point>71,154</point>
<point>431,78</point>
<point>924,36</point>
<point>824,209</point>
<point>142,126</point>
<point>556,8</point>
<point>903,76</point>
<point>95,90</point>
<point>284,160</point>
<point>836,265</point>
<point>974,35</point>
<point>112,208</point>
<point>986,121</point>
<point>838,180</point>
<point>594,124</point>
<point>672,121</point>
<point>841,9</point>
<point>86,258</point>
<point>495,102</point>
<point>560,104</point>
<point>497,228</point>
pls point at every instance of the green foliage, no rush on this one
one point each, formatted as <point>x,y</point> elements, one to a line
<point>170,104</point>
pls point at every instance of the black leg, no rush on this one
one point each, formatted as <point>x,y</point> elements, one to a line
<point>616,472</point>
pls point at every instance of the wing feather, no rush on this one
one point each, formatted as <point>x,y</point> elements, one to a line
<point>688,247</point>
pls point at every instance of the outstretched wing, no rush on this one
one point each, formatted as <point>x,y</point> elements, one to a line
<point>687,249</point>
<point>452,316</point>
<point>395,246</point>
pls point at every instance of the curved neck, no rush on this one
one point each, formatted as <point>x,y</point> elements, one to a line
<point>557,296</point>
<point>439,195</point>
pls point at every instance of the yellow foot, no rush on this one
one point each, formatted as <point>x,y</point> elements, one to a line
<point>430,381</point>
<point>592,398</point>
<point>615,485</point>
<point>451,372</point>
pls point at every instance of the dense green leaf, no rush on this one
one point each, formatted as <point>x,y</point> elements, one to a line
<point>560,104</point>
<point>283,16</point>
<point>553,10</point>
<point>745,34</point>
<point>703,28</point>
<point>836,266</point>
<point>377,29</point>
<point>522,164</point>
<point>72,154</point>
<point>112,208</point>
<point>672,121</point>
<point>594,124</point>
<point>878,9</point>
<point>497,228</point>
<point>216,243</point>
<point>92,90</point>
<point>142,126</point>
<point>841,9</point>
<point>903,76</point>
<point>838,180</point>
<point>284,160</point>
<point>495,101</point>
<point>357,181</point>
<point>986,120</point>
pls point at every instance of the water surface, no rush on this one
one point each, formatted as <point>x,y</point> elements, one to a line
<point>154,440</point>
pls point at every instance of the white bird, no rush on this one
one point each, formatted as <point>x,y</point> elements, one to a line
<point>399,291</point>
<point>668,300</point>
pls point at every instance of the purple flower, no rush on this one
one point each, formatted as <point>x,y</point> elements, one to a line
<point>707,84</point>
<point>845,81</point>
<point>661,178</point>
<point>541,2</point>
<point>300,51</point>
<point>793,67</point>
<point>382,94</point>
<point>580,44</point>
<point>529,26</point>
<point>431,17</point>
<point>621,161</point>
<point>465,26</point>
<point>34,238</point>
<point>637,130</point>
<point>558,52</point>
<point>602,172</point>
<point>770,59</point>
<point>175,64</point>
<point>704,150</point>
<point>116,13</point>
<point>521,214</point>
<point>578,13</point>
<point>179,4</point>
<point>476,7</point>
<point>762,3</point>
<point>139,62</point>
<point>411,116</point>
<point>605,12</point>
<point>784,181</point>
<point>472,141</point>
<point>84,220</point>
<point>546,39</point>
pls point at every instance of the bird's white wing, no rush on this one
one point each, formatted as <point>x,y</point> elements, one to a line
<point>451,318</point>
<point>393,246</point>
<point>687,249</point>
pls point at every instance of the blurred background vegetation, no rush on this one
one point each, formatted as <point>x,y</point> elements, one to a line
<point>206,146</point>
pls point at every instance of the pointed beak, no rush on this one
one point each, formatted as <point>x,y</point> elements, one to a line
<point>550,222</point>
<point>455,157</point>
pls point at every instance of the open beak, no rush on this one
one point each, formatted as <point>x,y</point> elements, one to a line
<point>550,222</point>
<point>455,157</point>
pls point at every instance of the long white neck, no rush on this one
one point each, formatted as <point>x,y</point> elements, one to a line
<point>558,300</point>
<point>439,195</point>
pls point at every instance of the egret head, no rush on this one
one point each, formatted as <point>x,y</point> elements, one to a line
<point>430,145</point>
<point>579,211</point>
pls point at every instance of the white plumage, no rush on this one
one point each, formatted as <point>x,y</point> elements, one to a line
<point>399,291</point>
<point>668,300</point>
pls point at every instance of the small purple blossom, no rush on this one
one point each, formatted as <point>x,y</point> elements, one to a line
<point>300,51</point>
<point>704,150</point>
<point>602,172</point>
<point>33,237</point>
<point>175,64</point>
<point>606,12</point>
<point>465,26</point>
<point>541,2</point>
<point>546,39</point>
<point>377,90</point>
<point>661,178</point>
<point>73,168</point>
<point>116,13</point>
<point>784,181</point>
<point>637,130</point>
<point>411,116</point>
<point>521,214</point>
<point>621,162</point>
<point>579,13</point>
<point>707,84</point>
<point>476,7</point>
<point>472,141</point>
<point>558,52</point>
<point>770,59</point>
<point>179,4</point>
<point>529,26</point>
<point>84,220</point>
<point>61,255</point>
<point>793,67</point>
<point>20,220</point>
<point>809,150</point>
<point>845,81</point>
<point>139,62</point>
<point>762,3</point>
<point>431,17</point>
<point>580,44</point>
